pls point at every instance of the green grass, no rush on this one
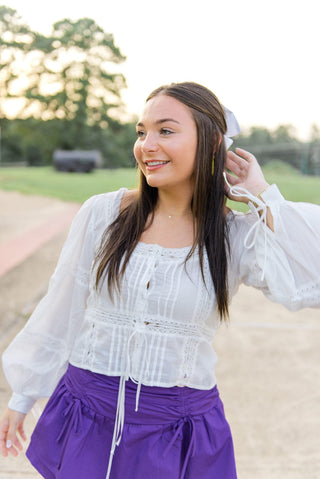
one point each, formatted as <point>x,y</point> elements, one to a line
<point>78,186</point>
<point>67,186</point>
<point>293,185</point>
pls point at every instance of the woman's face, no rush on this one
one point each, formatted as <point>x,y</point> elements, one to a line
<point>167,143</point>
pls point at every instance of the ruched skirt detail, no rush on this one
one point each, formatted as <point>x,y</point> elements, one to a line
<point>177,433</point>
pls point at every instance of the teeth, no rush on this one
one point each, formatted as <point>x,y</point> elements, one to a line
<point>155,163</point>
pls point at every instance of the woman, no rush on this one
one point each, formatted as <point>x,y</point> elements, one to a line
<point>122,342</point>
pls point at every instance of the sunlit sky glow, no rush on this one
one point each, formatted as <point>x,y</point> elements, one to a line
<point>261,58</point>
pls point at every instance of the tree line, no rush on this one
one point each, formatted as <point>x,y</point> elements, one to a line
<point>282,144</point>
<point>63,91</point>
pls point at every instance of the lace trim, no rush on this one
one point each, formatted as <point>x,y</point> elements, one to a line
<point>162,326</point>
<point>310,292</point>
<point>162,251</point>
<point>189,358</point>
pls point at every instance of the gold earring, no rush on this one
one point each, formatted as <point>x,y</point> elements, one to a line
<point>212,168</point>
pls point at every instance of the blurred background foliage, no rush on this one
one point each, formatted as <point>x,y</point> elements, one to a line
<point>282,144</point>
<point>63,91</point>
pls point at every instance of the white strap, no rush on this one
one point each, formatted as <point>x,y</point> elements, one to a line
<point>261,210</point>
<point>119,421</point>
<point>120,413</point>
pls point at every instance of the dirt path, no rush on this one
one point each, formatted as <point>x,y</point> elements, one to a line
<point>32,232</point>
<point>268,370</point>
<point>28,224</point>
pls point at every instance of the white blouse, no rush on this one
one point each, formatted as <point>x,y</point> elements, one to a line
<point>159,330</point>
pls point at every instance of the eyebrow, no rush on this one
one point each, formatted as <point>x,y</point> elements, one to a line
<point>163,120</point>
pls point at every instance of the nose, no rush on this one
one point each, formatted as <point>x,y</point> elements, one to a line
<point>150,143</point>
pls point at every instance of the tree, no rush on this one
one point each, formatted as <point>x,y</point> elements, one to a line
<point>76,82</point>
<point>279,144</point>
<point>66,86</point>
<point>15,41</point>
<point>65,75</point>
<point>285,134</point>
<point>314,134</point>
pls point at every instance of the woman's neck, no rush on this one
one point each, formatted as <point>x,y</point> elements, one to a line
<point>174,203</point>
<point>172,225</point>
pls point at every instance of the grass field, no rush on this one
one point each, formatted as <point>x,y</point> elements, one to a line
<point>78,186</point>
<point>67,186</point>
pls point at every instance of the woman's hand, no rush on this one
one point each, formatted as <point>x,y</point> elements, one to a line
<point>247,173</point>
<point>11,422</point>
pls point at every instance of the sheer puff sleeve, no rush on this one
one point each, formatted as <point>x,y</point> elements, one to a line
<point>285,263</point>
<point>38,356</point>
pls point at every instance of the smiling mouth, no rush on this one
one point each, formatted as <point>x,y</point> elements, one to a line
<point>156,163</point>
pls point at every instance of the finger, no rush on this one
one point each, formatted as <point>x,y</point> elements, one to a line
<point>22,432</point>
<point>17,443</point>
<point>231,156</point>
<point>3,436</point>
<point>10,448</point>
<point>234,195</point>
<point>3,448</point>
<point>238,166</point>
<point>233,180</point>
<point>245,154</point>
<point>12,440</point>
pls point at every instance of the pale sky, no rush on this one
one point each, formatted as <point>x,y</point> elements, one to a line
<point>261,58</point>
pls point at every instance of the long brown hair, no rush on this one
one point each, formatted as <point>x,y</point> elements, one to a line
<point>208,201</point>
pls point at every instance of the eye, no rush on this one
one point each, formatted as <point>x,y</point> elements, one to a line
<point>140,133</point>
<point>166,131</point>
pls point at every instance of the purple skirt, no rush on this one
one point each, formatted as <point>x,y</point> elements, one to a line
<point>177,433</point>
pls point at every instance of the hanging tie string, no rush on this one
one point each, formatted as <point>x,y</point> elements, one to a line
<point>120,413</point>
<point>73,417</point>
<point>73,421</point>
<point>119,421</point>
<point>178,426</point>
<point>144,363</point>
<point>261,210</point>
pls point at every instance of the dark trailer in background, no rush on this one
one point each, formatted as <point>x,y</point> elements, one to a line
<point>77,160</point>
